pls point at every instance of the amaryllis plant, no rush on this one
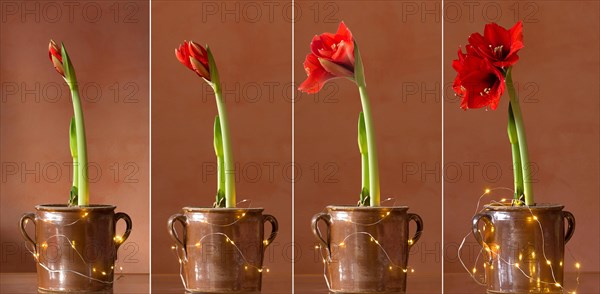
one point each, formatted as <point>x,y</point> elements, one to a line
<point>483,74</point>
<point>200,60</point>
<point>337,56</point>
<point>79,190</point>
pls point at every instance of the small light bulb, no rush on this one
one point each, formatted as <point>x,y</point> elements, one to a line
<point>557,285</point>
<point>410,241</point>
<point>577,265</point>
<point>487,191</point>
<point>548,262</point>
<point>342,244</point>
<point>94,269</point>
<point>245,267</point>
<point>390,267</point>
<point>316,246</point>
<point>412,270</point>
<point>535,217</point>
<point>474,270</point>
<point>560,263</point>
<point>405,270</point>
<point>268,270</point>
<point>198,244</point>
<point>517,264</point>
<point>266,242</point>
<point>260,270</point>
<point>104,273</point>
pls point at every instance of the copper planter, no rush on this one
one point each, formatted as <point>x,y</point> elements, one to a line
<point>75,247</point>
<point>366,248</point>
<point>524,247</point>
<point>221,249</point>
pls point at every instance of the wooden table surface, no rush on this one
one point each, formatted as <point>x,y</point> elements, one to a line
<point>14,283</point>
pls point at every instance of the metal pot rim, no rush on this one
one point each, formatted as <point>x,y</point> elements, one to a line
<point>364,208</point>
<point>221,209</point>
<point>67,208</point>
<point>540,206</point>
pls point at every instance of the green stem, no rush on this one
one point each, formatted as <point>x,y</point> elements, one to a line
<point>374,193</point>
<point>522,140</point>
<point>228,163</point>
<point>83,198</point>
<point>516,156</point>
<point>359,76</point>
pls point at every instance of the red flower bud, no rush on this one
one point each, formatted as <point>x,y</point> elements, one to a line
<point>195,57</point>
<point>332,56</point>
<point>55,55</point>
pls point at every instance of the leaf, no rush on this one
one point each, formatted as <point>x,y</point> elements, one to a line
<point>73,138</point>
<point>362,134</point>
<point>218,137</point>
<point>512,128</point>
<point>73,196</point>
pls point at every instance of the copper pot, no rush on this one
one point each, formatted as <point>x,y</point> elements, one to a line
<point>366,247</point>
<point>524,247</point>
<point>75,247</point>
<point>221,249</point>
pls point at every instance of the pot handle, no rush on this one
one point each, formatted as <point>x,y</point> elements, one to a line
<point>171,225</point>
<point>477,234</point>
<point>315,228</point>
<point>128,223</point>
<point>419,222</point>
<point>570,225</point>
<point>274,229</point>
<point>23,223</point>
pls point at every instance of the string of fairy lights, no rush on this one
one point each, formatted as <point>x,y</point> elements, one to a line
<point>181,253</point>
<point>494,250</point>
<point>326,254</point>
<point>106,273</point>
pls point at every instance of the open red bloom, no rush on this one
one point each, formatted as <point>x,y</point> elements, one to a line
<point>498,44</point>
<point>332,56</point>
<point>195,57</point>
<point>478,82</point>
<point>56,57</point>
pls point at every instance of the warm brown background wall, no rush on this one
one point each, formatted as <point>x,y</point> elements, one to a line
<point>557,79</point>
<point>110,52</point>
<point>254,60</point>
<point>402,57</point>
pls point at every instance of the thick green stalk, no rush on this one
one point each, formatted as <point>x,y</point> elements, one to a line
<point>218,142</point>
<point>228,163</point>
<point>374,192</point>
<point>83,196</point>
<point>516,155</point>
<point>364,159</point>
<point>522,140</point>
<point>73,146</point>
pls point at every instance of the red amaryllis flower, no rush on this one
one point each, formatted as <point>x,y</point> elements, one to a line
<point>478,82</point>
<point>195,57</point>
<point>55,55</point>
<point>498,44</point>
<point>332,56</point>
